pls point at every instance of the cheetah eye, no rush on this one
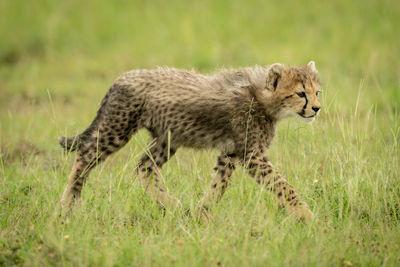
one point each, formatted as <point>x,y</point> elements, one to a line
<point>301,94</point>
<point>317,93</point>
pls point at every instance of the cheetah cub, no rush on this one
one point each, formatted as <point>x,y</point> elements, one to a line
<point>235,111</point>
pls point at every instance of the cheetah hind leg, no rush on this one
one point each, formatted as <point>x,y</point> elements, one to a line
<point>88,157</point>
<point>149,168</point>
<point>95,145</point>
<point>226,164</point>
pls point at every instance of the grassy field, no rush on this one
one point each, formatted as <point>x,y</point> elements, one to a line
<point>57,59</point>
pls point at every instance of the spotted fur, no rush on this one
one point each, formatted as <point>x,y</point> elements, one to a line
<point>235,111</point>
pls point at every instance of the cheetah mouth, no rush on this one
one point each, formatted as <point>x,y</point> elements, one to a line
<point>307,117</point>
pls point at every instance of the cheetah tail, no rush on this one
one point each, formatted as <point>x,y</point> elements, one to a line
<point>69,144</point>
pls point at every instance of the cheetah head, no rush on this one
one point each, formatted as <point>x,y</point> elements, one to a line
<point>294,91</point>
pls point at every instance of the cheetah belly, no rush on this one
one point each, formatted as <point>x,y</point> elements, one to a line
<point>227,145</point>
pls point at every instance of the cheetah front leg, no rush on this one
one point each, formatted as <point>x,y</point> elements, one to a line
<point>262,170</point>
<point>226,164</point>
<point>149,168</point>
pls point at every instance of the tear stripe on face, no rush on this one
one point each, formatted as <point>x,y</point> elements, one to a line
<point>303,111</point>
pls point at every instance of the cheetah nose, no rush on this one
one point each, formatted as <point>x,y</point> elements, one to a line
<point>316,109</point>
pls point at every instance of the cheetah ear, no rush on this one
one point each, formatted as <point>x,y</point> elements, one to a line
<point>273,76</point>
<point>311,66</point>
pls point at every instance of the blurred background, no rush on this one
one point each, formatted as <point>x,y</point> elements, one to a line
<point>67,53</point>
<point>58,58</point>
<point>71,51</point>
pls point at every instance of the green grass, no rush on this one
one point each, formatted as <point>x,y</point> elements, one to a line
<point>57,59</point>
